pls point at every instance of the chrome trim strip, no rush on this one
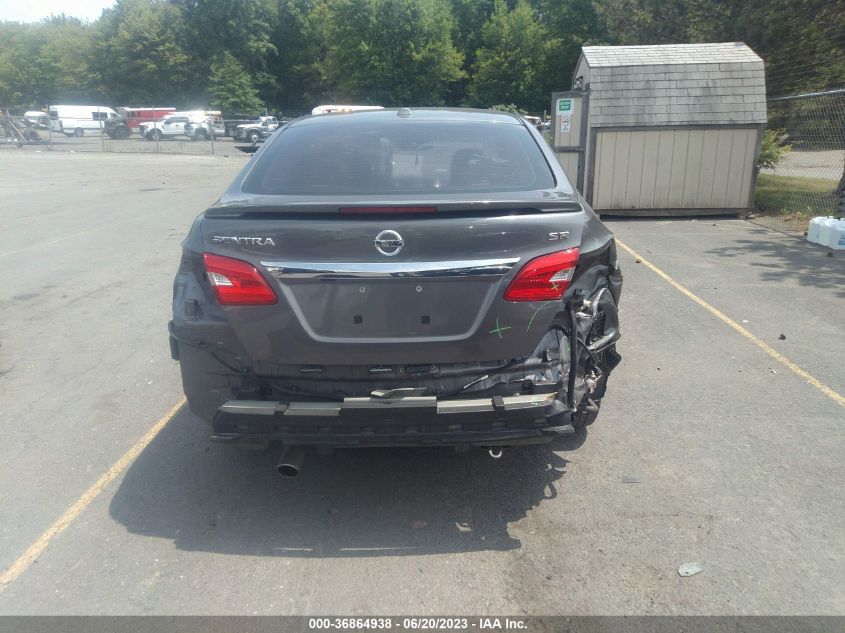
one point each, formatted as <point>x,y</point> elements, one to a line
<point>388,270</point>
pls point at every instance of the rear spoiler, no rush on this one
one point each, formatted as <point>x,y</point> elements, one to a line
<point>425,208</point>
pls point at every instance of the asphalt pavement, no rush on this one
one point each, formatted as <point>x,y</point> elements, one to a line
<point>821,164</point>
<point>708,449</point>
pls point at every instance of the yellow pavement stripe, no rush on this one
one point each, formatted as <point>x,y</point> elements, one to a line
<point>37,548</point>
<point>830,393</point>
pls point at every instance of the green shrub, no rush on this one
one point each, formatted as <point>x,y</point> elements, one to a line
<point>509,107</point>
<point>771,151</point>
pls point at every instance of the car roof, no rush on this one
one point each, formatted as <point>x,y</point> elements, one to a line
<point>467,115</point>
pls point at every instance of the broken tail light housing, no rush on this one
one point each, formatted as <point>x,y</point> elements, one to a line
<point>544,278</point>
<point>237,283</point>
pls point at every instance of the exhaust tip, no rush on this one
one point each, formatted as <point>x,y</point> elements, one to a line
<point>290,461</point>
<point>287,470</point>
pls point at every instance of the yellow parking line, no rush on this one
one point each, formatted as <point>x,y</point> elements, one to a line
<point>830,393</point>
<point>37,548</point>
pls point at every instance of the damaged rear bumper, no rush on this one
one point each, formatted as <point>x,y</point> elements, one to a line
<point>408,421</point>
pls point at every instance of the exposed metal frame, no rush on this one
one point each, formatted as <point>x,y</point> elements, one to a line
<point>333,409</point>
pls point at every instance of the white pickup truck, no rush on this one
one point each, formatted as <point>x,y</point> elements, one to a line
<point>196,125</point>
<point>258,130</point>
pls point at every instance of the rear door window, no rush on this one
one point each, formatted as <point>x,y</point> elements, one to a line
<point>400,157</point>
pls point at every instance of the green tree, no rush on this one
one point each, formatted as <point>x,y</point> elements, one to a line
<point>47,62</point>
<point>391,52</point>
<point>297,53</point>
<point>140,57</point>
<point>301,37</point>
<point>242,27</point>
<point>632,22</point>
<point>571,25</point>
<point>22,80</point>
<point>470,16</point>
<point>771,151</point>
<point>67,59</point>
<point>511,65</point>
<point>508,107</point>
<point>230,86</point>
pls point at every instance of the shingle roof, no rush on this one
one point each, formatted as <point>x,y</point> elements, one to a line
<point>683,84</point>
<point>724,52</point>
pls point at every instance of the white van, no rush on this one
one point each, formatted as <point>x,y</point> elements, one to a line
<point>75,120</point>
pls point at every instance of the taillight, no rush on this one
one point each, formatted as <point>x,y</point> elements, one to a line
<point>237,283</point>
<point>544,278</point>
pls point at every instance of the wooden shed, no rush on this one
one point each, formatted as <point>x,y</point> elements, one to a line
<point>663,130</point>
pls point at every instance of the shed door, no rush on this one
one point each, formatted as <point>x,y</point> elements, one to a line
<point>568,132</point>
<point>679,168</point>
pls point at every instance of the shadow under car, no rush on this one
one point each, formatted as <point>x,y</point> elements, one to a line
<point>356,502</point>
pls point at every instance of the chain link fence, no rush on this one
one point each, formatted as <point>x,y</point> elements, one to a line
<point>22,130</point>
<point>808,180</point>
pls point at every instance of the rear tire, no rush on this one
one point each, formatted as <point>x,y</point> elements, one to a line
<point>254,137</point>
<point>78,132</point>
<point>155,135</point>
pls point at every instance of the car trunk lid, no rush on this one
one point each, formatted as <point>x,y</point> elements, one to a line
<point>370,287</point>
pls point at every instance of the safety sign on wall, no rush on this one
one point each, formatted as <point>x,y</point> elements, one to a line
<point>564,111</point>
<point>565,122</point>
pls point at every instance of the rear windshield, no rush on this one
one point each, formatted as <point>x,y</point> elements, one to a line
<point>400,156</point>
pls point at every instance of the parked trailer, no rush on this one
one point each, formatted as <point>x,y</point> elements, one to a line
<point>76,120</point>
<point>329,109</point>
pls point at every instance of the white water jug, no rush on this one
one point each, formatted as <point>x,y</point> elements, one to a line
<point>813,230</point>
<point>837,235</point>
<point>825,229</point>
